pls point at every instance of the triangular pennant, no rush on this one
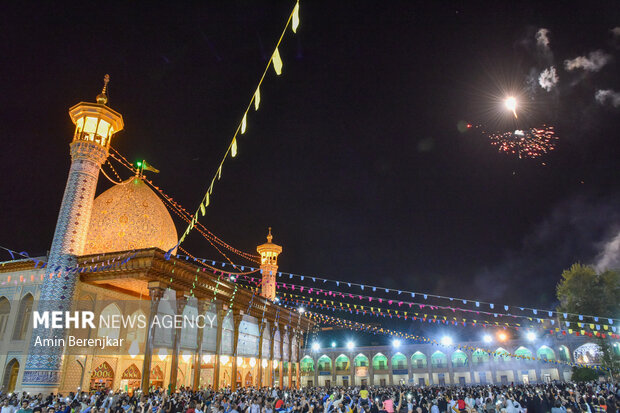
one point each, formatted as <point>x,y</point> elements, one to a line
<point>257,99</point>
<point>233,146</point>
<point>277,62</point>
<point>295,18</point>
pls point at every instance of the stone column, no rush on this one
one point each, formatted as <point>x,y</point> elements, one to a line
<point>538,372</point>
<point>237,317</point>
<point>220,314</point>
<point>429,366</point>
<point>298,371</point>
<point>272,345</point>
<point>156,292</point>
<point>290,360</point>
<point>316,372</point>
<point>352,369</point>
<point>390,371</point>
<point>450,368</point>
<point>259,379</point>
<point>281,361</point>
<point>202,307</point>
<point>371,371</point>
<point>334,377</point>
<point>181,302</point>
<point>409,370</point>
<point>470,362</point>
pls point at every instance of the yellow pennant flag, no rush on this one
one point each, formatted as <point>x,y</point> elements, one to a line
<point>219,172</point>
<point>257,99</point>
<point>296,17</point>
<point>277,62</point>
<point>202,209</point>
<point>244,123</point>
<point>233,147</point>
<point>207,201</point>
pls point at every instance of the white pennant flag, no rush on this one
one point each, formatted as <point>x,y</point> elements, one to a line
<point>244,123</point>
<point>257,99</point>
<point>233,147</point>
<point>277,62</point>
<point>296,17</point>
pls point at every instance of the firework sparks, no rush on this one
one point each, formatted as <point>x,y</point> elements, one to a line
<point>527,143</point>
<point>511,104</point>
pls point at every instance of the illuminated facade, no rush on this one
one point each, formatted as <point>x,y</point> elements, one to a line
<point>426,364</point>
<point>108,255</point>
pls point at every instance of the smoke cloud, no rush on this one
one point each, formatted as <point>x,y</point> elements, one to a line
<point>593,63</point>
<point>548,78</point>
<point>615,31</point>
<point>542,38</point>
<point>608,96</point>
<point>609,258</point>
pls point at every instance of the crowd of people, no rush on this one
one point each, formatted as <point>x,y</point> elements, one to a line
<point>564,397</point>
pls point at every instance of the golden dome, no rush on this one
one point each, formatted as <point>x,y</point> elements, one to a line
<point>129,216</point>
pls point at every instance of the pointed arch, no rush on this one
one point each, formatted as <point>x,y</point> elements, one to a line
<point>459,359</point>
<point>523,352</point>
<point>501,354</point>
<point>102,377</point>
<point>419,360</point>
<point>108,313</point>
<point>324,363</point>
<point>588,353</point>
<point>479,357</point>
<point>379,362</point>
<point>361,360</point>
<point>564,353</point>
<point>23,317</point>
<point>439,360</point>
<point>545,353</point>
<point>307,365</point>
<point>399,361</point>
<point>11,371</point>
<point>342,362</point>
<point>5,312</point>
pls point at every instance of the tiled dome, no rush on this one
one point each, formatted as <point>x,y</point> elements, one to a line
<point>129,216</point>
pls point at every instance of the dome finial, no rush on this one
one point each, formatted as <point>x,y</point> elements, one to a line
<point>269,236</point>
<point>102,97</point>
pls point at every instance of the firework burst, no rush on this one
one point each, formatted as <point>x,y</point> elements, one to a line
<point>526,143</point>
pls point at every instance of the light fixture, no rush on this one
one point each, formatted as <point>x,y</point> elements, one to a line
<point>396,343</point>
<point>206,358</point>
<point>252,362</point>
<point>275,364</point>
<point>240,361</point>
<point>531,336</point>
<point>350,345</point>
<point>224,359</point>
<point>487,338</point>
<point>162,354</point>
<point>316,346</point>
<point>301,310</point>
<point>333,344</point>
<point>186,356</point>
<point>264,363</point>
<point>446,341</point>
<point>502,336</point>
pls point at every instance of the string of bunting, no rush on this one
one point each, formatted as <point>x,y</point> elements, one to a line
<point>542,321</point>
<point>276,61</point>
<point>180,211</point>
<point>552,325</point>
<point>475,303</point>
<point>326,319</point>
<point>377,312</point>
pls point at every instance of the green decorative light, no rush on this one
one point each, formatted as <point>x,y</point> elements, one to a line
<point>139,164</point>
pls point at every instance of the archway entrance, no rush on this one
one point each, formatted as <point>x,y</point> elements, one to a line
<point>102,377</point>
<point>248,380</point>
<point>131,378</point>
<point>10,376</point>
<point>157,377</point>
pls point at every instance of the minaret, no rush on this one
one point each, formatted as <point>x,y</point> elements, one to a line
<point>269,267</point>
<point>95,124</point>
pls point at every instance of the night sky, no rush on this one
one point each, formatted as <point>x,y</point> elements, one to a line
<point>355,157</point>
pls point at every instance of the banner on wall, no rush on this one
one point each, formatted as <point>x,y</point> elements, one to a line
<point>361,371</point>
